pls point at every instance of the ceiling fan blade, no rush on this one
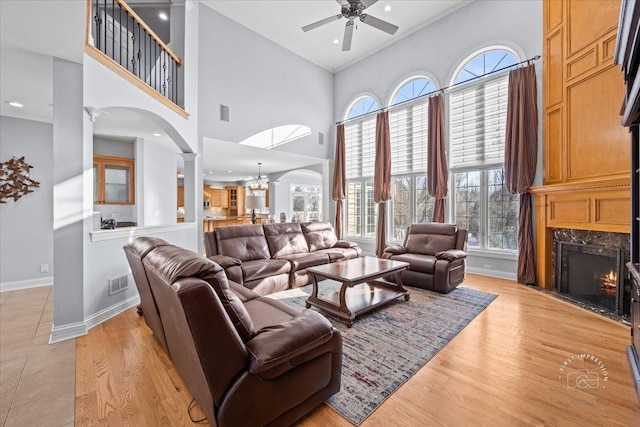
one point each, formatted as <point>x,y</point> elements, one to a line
<point>379,24</point>
<point>348,36</point>
<point>319,23</point>
<point>368,3</point>
<point>342,2</point>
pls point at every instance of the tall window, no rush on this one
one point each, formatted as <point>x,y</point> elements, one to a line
<point>478,112</point>
<point>408,116</point>
<point>360,135</point>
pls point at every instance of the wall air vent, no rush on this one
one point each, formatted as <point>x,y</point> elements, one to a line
<point>224,113</point>
<point>118,284</point>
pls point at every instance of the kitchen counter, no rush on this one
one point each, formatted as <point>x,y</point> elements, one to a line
<point>210,223</point>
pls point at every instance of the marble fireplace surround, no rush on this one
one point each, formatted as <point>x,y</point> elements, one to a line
<point>596,238</point>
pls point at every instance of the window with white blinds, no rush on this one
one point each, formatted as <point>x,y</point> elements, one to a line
<point>360,153</point>
<point>408,131</point>
<point>360,147</point>
<point>477,124</point>
<point>478,115</point>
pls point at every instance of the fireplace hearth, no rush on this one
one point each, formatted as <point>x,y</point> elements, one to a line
<point>592,274</point>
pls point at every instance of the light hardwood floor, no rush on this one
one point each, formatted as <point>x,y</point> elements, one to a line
<point>503,369</point>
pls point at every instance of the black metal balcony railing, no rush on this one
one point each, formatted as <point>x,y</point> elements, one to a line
<point>120,34</point>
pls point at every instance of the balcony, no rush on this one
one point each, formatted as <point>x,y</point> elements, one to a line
<point>119,39</point>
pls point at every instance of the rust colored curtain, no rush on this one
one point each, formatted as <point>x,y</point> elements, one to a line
<point>338,191</point>
<point>437,173</point>
<point>382,177</point>
<point>520,157</point>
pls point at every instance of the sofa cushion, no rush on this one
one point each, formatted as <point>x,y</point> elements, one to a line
<point>266,312</point>
<point>302,261</point>
<point>341,254</point>
<point>319,235</point>
<point>245,242</point>
<point>421,263</point>
<point>173,263</point>
<point>430,238</point>
<point>258,269</point>
<point>285,239</point>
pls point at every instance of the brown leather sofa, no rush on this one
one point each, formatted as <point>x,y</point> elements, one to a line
<point>135,252</point>
<point>435,253</point>
<point>274,257</point>
<point>248,360</point>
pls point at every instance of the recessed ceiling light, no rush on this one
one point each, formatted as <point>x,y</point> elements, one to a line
<point>15,104</point>
<point>336,41</point>
<point>156,134</point>
<point>387,8</point>
<point>163,16</point>
<point>229,171</point>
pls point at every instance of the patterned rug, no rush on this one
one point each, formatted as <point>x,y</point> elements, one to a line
<point>386,347</point>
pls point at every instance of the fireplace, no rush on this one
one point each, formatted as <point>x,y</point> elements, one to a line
<point>592,274</point>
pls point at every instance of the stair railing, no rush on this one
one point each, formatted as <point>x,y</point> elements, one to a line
<point>120,34</point>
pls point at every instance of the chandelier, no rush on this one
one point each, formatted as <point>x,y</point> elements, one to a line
<point>259,184</point>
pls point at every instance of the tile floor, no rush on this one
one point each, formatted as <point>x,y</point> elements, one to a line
<point>37,379</point>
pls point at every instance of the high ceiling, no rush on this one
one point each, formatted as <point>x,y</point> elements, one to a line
<point>26,60</point>
<point>281,21</point>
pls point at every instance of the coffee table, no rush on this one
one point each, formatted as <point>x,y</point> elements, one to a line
<point>363,287</point>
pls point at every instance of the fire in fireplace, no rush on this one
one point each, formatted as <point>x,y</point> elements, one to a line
<point>591,274</point>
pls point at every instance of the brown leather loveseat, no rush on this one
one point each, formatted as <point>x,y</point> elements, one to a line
<point>248,360</point>
<point>274,257</point>
<point>436,254</point>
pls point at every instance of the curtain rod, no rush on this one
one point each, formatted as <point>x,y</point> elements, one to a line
<point>527,61</point>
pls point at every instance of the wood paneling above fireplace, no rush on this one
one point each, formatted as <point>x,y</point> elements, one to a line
<point>586,172</point>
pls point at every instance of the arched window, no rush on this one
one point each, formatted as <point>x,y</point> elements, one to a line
<point>484,63</point>
<point>477,121</point>
<point>360,134</point>
<point>413,88</point>
<point>408,118</point>
<point>361,107</point>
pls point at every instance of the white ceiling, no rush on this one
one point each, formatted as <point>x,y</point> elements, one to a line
<point>219,157</point>
<point>242,161</point>
<point>31,34</point>
<point>281,21</point>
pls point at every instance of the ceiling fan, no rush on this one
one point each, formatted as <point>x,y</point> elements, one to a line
<point>352,9</point>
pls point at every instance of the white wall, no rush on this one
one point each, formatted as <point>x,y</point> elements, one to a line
<point>437,50</point>
<point>264,85</point>
<point>26,225</point>
<point>157,192</point>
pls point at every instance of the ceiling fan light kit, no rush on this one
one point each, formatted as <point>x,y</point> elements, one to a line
<point>352,10</point>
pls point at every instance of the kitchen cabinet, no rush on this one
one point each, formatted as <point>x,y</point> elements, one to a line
<point>236,197</point>
<point>180,197</point>
<point>219,198</point>
<point>206,193</point>
<point>113,180</point>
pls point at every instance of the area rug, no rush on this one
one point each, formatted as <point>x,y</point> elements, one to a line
<point>386,347</point>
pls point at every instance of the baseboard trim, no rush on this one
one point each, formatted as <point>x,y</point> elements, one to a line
<point>493,273</point>
<point>78,329</point>
<point>112,311</point>
<point>67,332</point>
<point>26,284</point>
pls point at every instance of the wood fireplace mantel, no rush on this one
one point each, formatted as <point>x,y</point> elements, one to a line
<point>596,205</point>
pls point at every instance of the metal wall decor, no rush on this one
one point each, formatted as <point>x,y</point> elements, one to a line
<point>14,179</point>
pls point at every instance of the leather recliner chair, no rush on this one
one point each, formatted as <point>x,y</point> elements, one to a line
<point>435,253</point>
<point>247,360</point>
